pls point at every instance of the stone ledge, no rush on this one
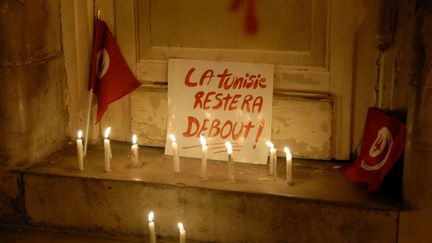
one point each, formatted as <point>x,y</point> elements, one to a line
<point>313,180</point>
<point>320,207</point>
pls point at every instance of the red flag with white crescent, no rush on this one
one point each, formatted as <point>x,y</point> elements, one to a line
<point>382,145</point>
<point>110,76</point>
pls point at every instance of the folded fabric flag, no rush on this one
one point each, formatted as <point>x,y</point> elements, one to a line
<point>110,76</point>
<point>382,145</point>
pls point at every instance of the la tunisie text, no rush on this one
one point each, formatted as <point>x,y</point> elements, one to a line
<point>224,99</point>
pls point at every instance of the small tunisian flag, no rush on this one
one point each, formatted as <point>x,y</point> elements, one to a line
<point>110,76</point>
<point>382,145</point>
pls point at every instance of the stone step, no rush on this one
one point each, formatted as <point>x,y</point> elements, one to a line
<point>31,235</point>
<point>321,206</point>
<point>20,234</point>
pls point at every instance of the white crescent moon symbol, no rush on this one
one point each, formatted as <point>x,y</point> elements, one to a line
<point>385,136</point>
<point>103,66</point>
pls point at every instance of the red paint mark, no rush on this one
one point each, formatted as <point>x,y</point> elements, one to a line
<point>224,151</point>
<point>258,135</point>
<point>192,146</point>
<point>235,4</point>
<point>251,19</point>
<point>223,147</point>
<point>222,143</point>
<point>211,145</point>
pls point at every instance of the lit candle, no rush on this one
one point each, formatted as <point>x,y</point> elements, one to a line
<point>230,161</point>
<point>151,226</point>
<point>80,151</point>
<point>288,165</point>
<point>272,159</point>
<point>176,158</point>
<point>203,157</point>
<point>107,150</point>
<point>134,152</point>
<point>182,233</point>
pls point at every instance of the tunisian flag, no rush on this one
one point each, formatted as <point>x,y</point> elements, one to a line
<point>110,76</point>
<point>382,145</point>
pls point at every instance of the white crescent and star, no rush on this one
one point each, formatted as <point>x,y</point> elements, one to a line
<point>382,145</point>
<point>103,66</point>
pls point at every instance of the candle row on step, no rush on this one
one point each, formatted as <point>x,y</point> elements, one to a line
<point>176,157</point>
<point>151,225</point>
<point>204,149</point>
<point>107,151</point>
<point>273,162</point>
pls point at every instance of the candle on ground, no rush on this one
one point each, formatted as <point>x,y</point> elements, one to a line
<point>107,150</point>
<point>176,158</point>
<point>272,159</point>
<point>182,233</point>
<point>134,152</point>
<point>80,151</point>
<point>230,161</point>
<point>288,165</point>
<point>151,226</point>
<point>204,150</point>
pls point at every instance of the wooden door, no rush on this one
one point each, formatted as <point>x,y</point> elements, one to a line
<point>309,42</point>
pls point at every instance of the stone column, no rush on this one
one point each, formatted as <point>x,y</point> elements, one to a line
<point>32,103</point>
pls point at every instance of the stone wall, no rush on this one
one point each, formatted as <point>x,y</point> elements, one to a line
<point>416,219</point>
<point>33,113</point>
<point>32,109</point>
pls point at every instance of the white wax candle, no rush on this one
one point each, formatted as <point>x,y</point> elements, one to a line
<point>272,157</point>
<point>182,232</point>
<point>176,157</point>
<point>230,161</point>
<point>107,150</point>
<point>80,151</point>
<point>288,165</point>
<point>134,152</point>
<point>204,150</point>
<point>151,226</point>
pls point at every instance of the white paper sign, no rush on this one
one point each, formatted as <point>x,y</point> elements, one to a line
<point>223,101</point>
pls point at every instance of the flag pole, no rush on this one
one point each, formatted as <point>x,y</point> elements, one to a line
<point>88,121</point>
<point>89,106</point>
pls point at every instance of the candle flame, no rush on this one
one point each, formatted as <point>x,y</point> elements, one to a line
<point>172,137</point>
<point>80,134</point>
<point>228,147</point>
<point>107,132</point>
<point>270,144</point>
<point>134,139</point>
<point>287,152</point>
<point>180,226</point>
<point>151,216</point>
<point>203,140</point>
